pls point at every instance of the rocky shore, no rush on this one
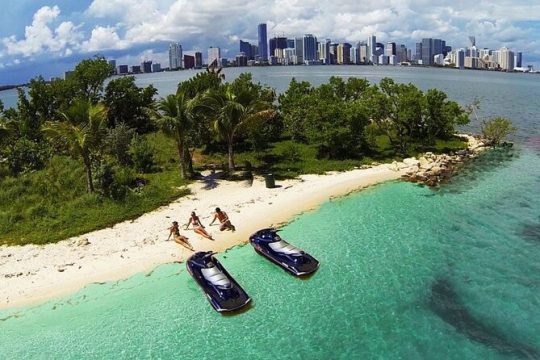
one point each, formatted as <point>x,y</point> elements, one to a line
<point>431,169</point>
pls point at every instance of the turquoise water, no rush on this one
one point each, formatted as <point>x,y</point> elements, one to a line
<point>381,251</point>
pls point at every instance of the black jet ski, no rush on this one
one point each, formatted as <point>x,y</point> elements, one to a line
<point>220,288</point>
<point>269,244</point>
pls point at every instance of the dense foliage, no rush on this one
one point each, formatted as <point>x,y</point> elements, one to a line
<point>78,145</point>
<point>497,129</point>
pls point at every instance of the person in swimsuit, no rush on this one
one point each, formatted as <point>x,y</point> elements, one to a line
<point>174,230</point>
<point>198,226</point>
<point>224,222</point>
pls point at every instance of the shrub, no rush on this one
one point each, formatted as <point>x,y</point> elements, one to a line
<point>497,129</point>
<point>25,155</point>
<point>291,152</point>
<point>142,155</point>
<point>117,143</point>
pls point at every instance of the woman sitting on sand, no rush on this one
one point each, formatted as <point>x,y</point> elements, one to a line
<point>174,230</point>
<point>198,226</point>
<point>224,222</point>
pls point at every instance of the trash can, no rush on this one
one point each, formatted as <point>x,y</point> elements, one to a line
<point>270,181</point>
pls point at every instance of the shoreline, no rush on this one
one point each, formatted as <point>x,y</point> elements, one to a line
<point>33,274</point>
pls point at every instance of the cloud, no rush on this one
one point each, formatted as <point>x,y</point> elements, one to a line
<point>103,38</point>
<point>41,37</point>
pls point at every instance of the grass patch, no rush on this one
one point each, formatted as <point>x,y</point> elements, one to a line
<point>52,204</point>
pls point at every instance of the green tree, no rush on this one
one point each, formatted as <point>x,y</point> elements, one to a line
<point>174,116</point>
<point>81,132</point>
<point>495,130</point>
<point>127,104</point>
<point>293,108</point>
<point>440,117</point>
<point>89,76</point>
<point>117,143</point>
<point>234,108</point>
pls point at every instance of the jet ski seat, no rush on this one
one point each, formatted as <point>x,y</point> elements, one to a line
<point>216,277</point>
<point>284,247</point>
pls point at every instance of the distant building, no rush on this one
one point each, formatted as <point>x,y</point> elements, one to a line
<point>363,53</point>
<point>354,59</point>
<point>241,59</point>
<point>418,53</point>
<point>245,48</point>
<point>123,69</point>
<point>390,49</point>
<point>263,42</point>
<point>189,62</point>
<point>310,48</point>
<point>198,60</point>
<point>506,59</point>
<point>392,60</point>
<point>136,69</point>
<point>344,54</point>
<point>438,59</point>
<point>254,51</point>
<point>383,60</point>
<point>175,56</point>
<point>470,62</point>
<point>214,55</point>
<point>277,43</point>
<point>223,62</point>
<point>146,66</point>
<point>401,54</point>
<point>460,59</point>
<point>112,64</point>
<point>299,49</point>
<point>371,47</point>
<point>518,62</point>
<point>430,48</point>
<point>156,67</point>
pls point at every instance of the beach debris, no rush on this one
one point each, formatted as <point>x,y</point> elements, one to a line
<point>83,242</point>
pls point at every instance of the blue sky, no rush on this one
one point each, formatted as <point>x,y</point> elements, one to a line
<point>49,36</point>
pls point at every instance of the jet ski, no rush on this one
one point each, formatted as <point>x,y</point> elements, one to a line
<point>270,245</point>
<point>222,291</point>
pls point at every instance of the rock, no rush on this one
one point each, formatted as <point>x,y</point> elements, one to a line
<point>83,242</point>
<point>411,161</point>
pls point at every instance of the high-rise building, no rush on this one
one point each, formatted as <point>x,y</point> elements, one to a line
<point>189,62</point>
<point>136,69</point>
<point>354,59</point>
<point>460,59</point>
<point>156,67</point>
<point>299,49</point>
<point>391,49</point>
<point>175,56</point>
<point>392,60</point>
<point>112,64</point>
<point>241,59</point>
<point>363,53</point>
<point>123,69</point>
<point>371,48</point>
<point>214,56</point>
<point>277,43</point>
<point>518,62</point>
<point>310,48</point>
<point>290,43</point>
<point>344,53</point>
<point>263,42</point>
<point>146,66</point>
<point>418,53</point>
<point>506,59</point>
<point>401,54</point>
<point>430,48</point>
<point>324,51</point>
<point>245,48</point>
<point>254,51</point>
<point>198,60</point>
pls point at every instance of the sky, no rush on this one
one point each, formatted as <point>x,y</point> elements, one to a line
<point>48,37</point>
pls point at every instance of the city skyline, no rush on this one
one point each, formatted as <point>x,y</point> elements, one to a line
<point>43,37</point>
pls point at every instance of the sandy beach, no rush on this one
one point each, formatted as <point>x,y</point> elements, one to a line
<point>31,274</point>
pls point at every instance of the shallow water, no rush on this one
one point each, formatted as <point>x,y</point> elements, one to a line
<point>382,252</point>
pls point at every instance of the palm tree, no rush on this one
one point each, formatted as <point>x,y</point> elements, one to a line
<point>81,131</point>
<point>174,116</point>
<point>233,112</point>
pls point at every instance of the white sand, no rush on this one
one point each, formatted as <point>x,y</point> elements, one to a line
<point>31,274</point>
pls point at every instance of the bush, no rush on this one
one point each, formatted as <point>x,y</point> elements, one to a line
<point>117,143</point>
<point>26,155</point>
<point>497,129</point>
<point>291,152</point>
<point>113,181</point>
<point>142,155</point>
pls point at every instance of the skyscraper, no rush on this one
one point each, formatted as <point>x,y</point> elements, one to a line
<point>214,55</point>
<point>198,60</point>
<point>189,62</point>
<point>324,51</point>
<point>299,49</point>
<point>506,59</point>
<point>146,66</point>
<point>245,48</point>
<point>310,48</point>
<point>362,52</point>
<point>371,48</point>
<point>344,53</point>
<point>277,43</point>
<point>519,59</point>
<point>263,42</point>
<point>391,49</point>
<point>430,48</point>
<point>175,56</point>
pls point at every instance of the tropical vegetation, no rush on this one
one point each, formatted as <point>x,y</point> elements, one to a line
<point>84,152</point>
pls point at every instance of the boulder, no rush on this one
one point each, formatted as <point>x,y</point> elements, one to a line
<point>411,161</point>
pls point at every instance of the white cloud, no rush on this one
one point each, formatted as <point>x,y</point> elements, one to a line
<point>103,38</point>
<point>40,36</point>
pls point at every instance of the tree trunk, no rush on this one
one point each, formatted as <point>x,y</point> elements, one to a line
<point>188,163</point>
<point>231,155</point>
<point>181,157</point>
<point>89,181</point>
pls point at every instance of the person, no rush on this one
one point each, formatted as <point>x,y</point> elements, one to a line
<point>174,230</point>
<point>198,226</point>
<point>224,221</point>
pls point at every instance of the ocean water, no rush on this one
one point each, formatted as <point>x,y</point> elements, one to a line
<point>406,272</point>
